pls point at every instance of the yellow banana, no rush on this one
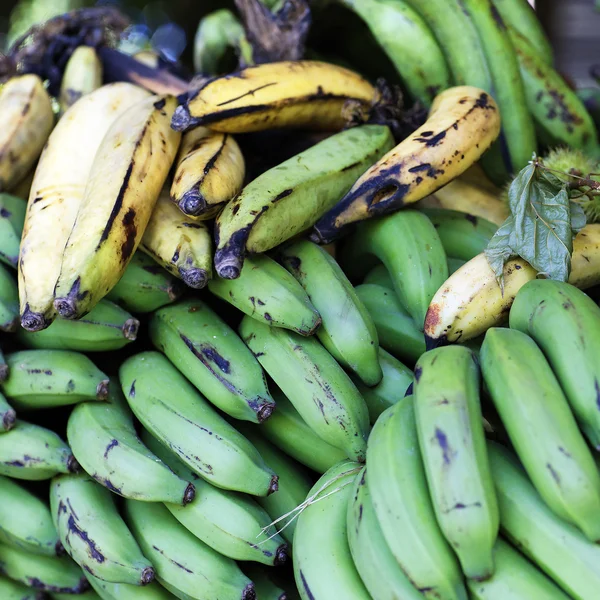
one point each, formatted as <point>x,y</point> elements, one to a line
<point>182,246</point>
<point>462,124</point>
<point>130,169</point>
<point>209,171</point>
<point>302,94</point>
<point>57,191</point>
<point>148,58</point>
<point>26,120</point>
<point>83,75</point>
<point>471,301</point>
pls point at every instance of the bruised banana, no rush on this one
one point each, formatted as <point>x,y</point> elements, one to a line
<point>13,590</point>
<point>179,244</point>
<point>8,415</point>
<point>462,123</point>
<point>12,217</point>
<point>26,122</point>
<point>287,199</point>
<point>300,94</point>
<point>128,172</point>
<point>83,75</point>
<point>57,191</point>
<point>9,301</point>
<point>209,171</point>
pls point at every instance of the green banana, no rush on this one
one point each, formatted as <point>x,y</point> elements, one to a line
<point>376,565</point>
<point>401,500</point>
<point>7,415</point>
<point>396,330</point>
<point>556,547</point>
<point>9,301</point>
<point>47,378</point>
<point>12,218</point>
<point>32,452</point>
<point>454,264</point>
<point>379,275</point>
<point>565,323</point>
<point>124,591</point>
<point>145,286</point>
<point>12,590</point>
<point>94,534</point>
<point>106,445</point>
<point>105,327</point>
<point>44,573</point>
<point>184,565</point>
<point>515,579</point>
<point>315,384</point>
<point>264,586</point>
<point>266,291</point>
<point>452,442</point>
<point>347,330</point>
<point>323,565</point>
<point>410,248</point>
<point>89,595</point>
<point>25,521</point>
<point>535,412</point>
<point>189,426</point>
<point>231,523</point>
<point>213,357</point>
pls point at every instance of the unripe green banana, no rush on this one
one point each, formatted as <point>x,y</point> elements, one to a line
<point>7,415</point>
<point>267,292</point>
<point>32,452</point>
<point>105,327</point>
<point>535,412</point>
<point>190,427</point>
<point>94,534</point>
<point>408,245</point>
<point>265,588</point>
<point>379,275</point>
<point>315,384</point>
<point>145,286</point>
<point>184,565</point>
<point>347,330</point>
<point>12,590</point>
<point>454,264</point>
<point>452,442</point>
<point>402,503</point>
<point>9,301</point>
<point>124,591</point>
<point>47,378</point>
<point>12,217</point>
<point>213,357</point>
<point>89,595</point>
<point>82,75</point>
<point>565,323</point>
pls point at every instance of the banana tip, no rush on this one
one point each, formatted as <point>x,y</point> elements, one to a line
<point>32,321</point>
<point>102,389</point>
<point>72,465</point>
<point>3,372</point>
<point>274,485</point>
<point>130,329</point>
<point>189,494</point>
<point>192,203</point>
<point>8,420</point>
<point>181,118</point>
<point>281,555</point>
<point>147,576</point>
<point>194,277</point>
<point>65,307</point>
<point>249,592</point>
<point>265,411</point>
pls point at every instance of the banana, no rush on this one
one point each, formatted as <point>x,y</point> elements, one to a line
<point>129,170</point>
<point>27,120</point>
<point>471,300</point>
<point>376,565</point>
<point>535,412</point>
<point>452,442</point>
<point>145,286</point>
<point>106,445</point>
<point>9,301</point>
<point>265,588</point>
<point>44,573</point>
<point>213,357</point>
<point>184,565</point>
<point>565,323</point>
<point>56,193</point>
<point>454,264</point>
<point>7,415</point>
<point>515,579</point>
<point>209,171</point>
<point>347,330</point>
<point>12,590</point>
<point>83,75</point>
<point>47,378</point>
<point>323,565</point>
<point>32,452</point>
<point>396,330</point>
<point>123,591</point>
<point>290,197</point>
<point>4,370</point>
<point>556,547</point>
<point>12,217</point>
<point>190,427</point>
<point>391,389</point>
<point>300,94</point>
<point>315,384</point>
<point>462,124</point>
<point>402,504</point>
<point>105,327</point>
<point>231,523</point>
<point>379,275</point>
<point>177,243</point>
<point>25,521</point>
<point>89,595</point>
<point>266,291</point>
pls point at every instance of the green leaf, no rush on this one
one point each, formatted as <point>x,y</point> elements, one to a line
<point>578,218</point>
<point>499,251</point>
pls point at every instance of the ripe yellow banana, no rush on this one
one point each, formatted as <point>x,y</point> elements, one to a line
<point>471,301</point>
<point>57,192</point>
<point>130,169</point>
<point>182,246</point>
<point>302,94</point>
<point>83,75</point>
<point>462,124</point>
<point>209,171</point>
<point>26,120</point>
